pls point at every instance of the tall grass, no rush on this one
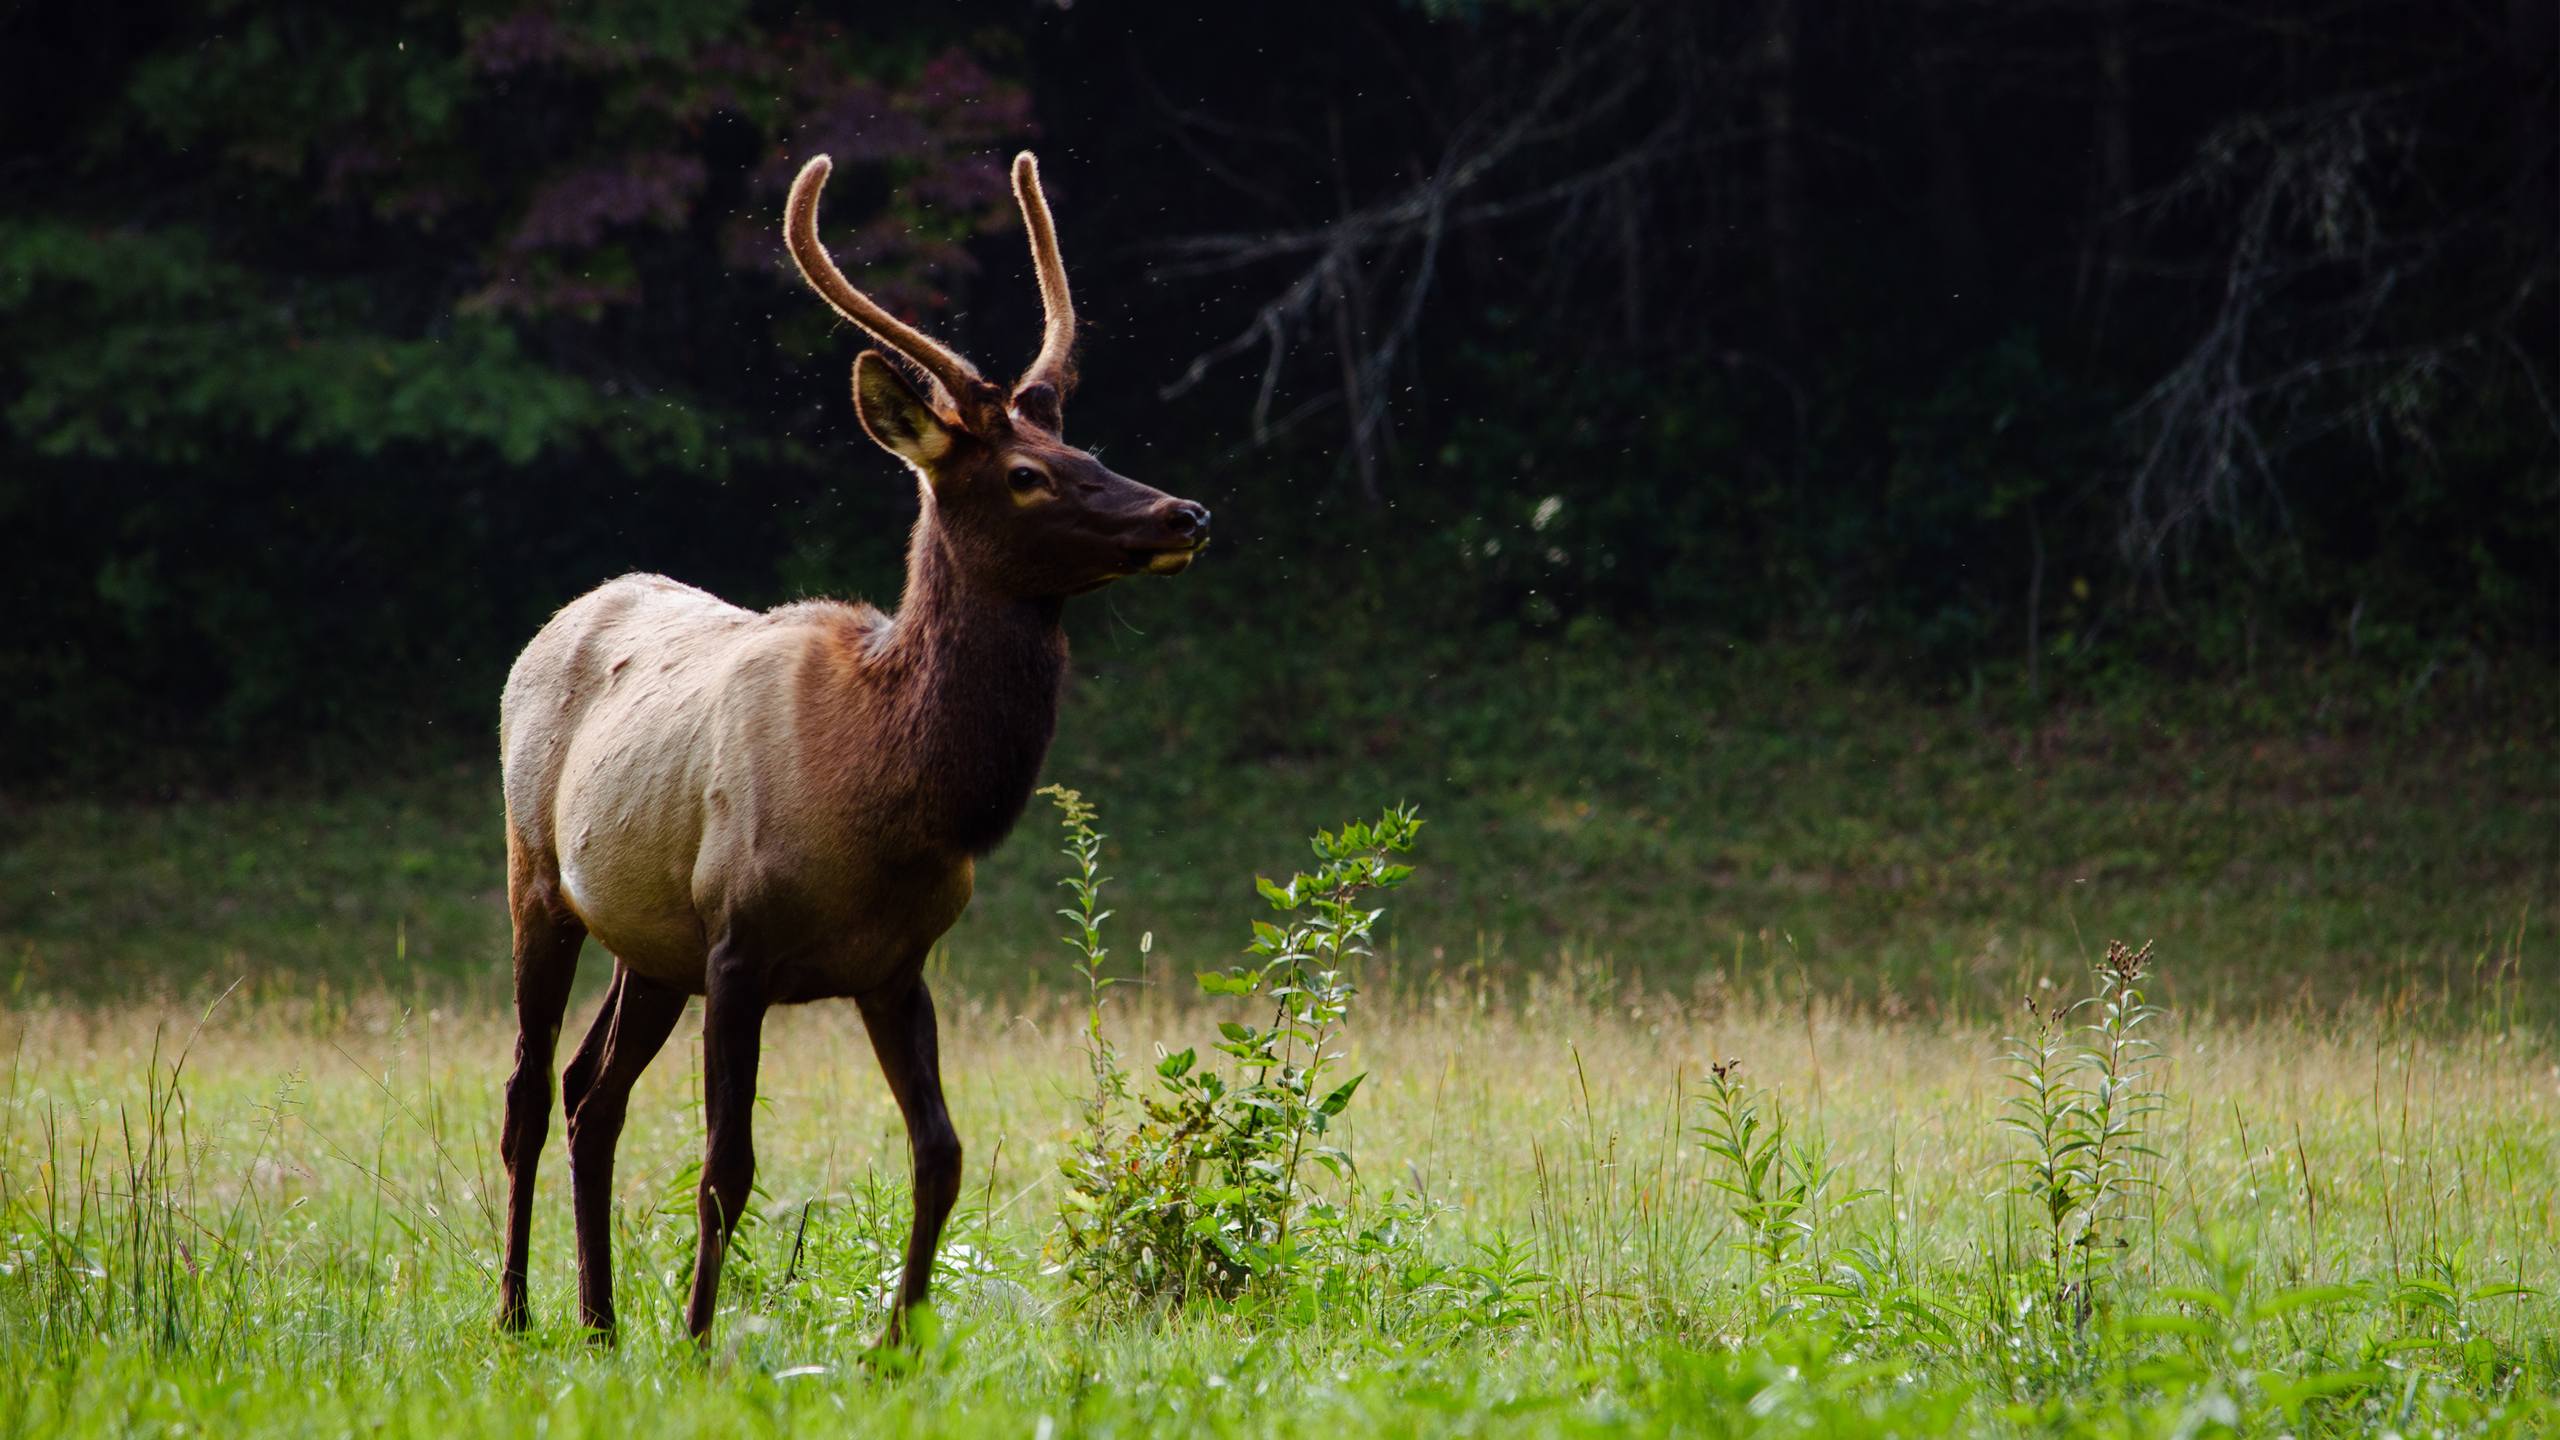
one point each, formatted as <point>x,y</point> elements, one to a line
<point>276,1218</point>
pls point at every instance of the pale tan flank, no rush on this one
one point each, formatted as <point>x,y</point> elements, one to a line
<point>653,745</point>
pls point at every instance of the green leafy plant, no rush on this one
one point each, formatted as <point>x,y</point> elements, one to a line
<point>1210,1190</point>
<point>2234,1353</point>
<point>1084,883</point>
<point>1777,1188</point>
<point>2114,1066</point>
<point>2081,1100</point>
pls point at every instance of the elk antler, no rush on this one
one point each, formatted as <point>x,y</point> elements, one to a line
<point>1054,367</point>
<point>968,396</point>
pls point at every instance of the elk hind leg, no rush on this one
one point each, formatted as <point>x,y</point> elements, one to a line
<point>732,1032</point>
<point>580,1075</point>
<point>633,1026</point>
<point>547,940</point>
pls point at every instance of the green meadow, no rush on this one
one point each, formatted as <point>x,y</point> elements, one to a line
<point>249,1148</point>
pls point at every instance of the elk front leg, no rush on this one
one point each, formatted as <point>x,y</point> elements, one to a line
<point>902,1033</point>
<point>629,1031</point>
<point>732,1031</point>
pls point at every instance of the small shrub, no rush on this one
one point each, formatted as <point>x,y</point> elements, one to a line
<point>1208,1191</point>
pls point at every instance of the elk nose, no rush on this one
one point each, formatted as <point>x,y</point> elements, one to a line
<point>1186,520</point>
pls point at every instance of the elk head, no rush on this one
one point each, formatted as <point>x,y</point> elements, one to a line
<point>1020,510</point>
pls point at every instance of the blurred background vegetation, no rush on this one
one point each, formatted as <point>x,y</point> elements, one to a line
<point>1763,471</point>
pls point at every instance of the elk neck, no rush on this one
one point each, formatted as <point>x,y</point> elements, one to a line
<point>969,681</point>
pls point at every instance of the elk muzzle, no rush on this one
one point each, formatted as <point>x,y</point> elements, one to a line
<point>1186,528</point>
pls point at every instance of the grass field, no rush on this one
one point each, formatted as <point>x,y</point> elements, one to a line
<point>2338,1220</point>
<point>1650,814</point>
<point>296,1237</point>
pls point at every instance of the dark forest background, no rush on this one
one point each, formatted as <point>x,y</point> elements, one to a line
<point>2018,346</point>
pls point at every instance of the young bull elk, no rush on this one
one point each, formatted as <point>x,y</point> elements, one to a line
<point>765,809</point>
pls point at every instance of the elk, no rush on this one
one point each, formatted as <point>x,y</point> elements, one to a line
<point>771,808</point>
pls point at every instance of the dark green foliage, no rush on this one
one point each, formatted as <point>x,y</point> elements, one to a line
<point>344,343</point>
<point>1686,495</point>
<point>339,345</point>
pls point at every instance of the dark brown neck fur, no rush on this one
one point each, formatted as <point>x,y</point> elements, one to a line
<point>971,683</point>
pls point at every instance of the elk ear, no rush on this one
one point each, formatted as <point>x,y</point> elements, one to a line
<point>896,415</point>
<point>1038,403</point>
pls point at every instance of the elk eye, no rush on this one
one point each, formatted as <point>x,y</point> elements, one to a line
<point>1026,479</point>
